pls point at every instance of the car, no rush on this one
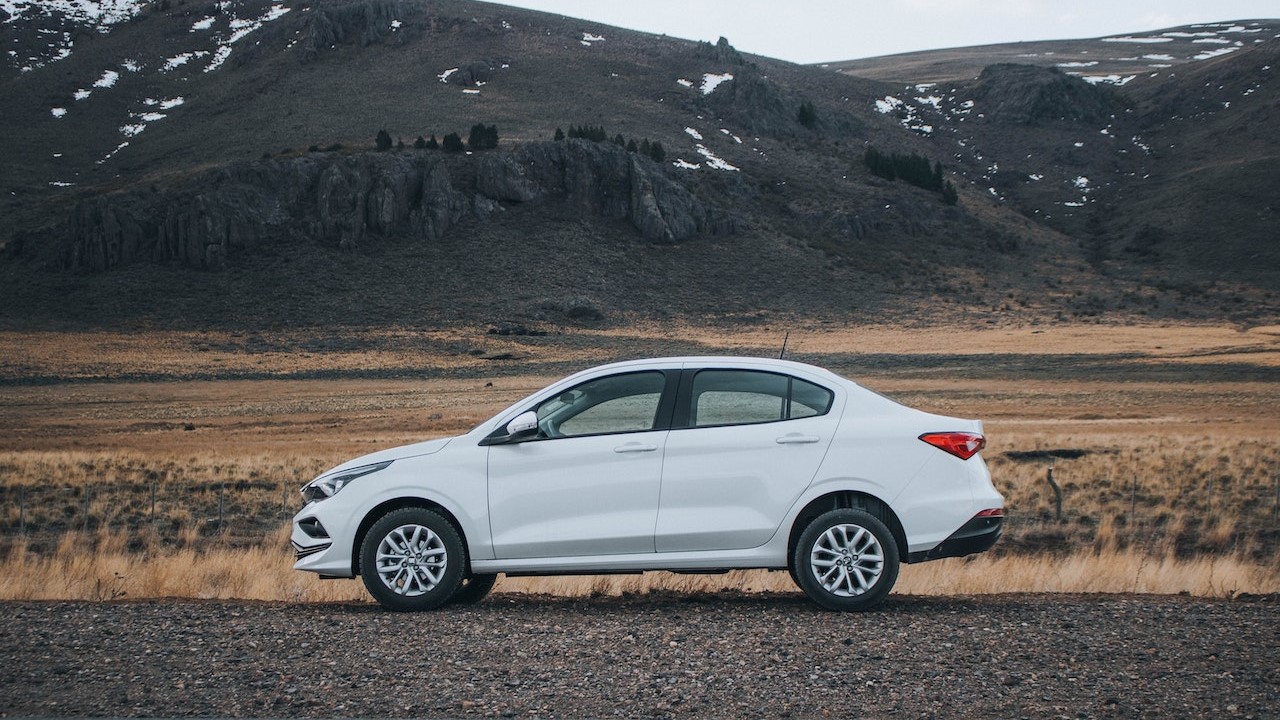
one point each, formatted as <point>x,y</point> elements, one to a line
<point>687,464</point>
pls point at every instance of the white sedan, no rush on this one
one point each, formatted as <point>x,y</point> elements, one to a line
<point>686,464</point>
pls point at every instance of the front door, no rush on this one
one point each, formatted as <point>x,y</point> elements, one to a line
<point>588,484</point>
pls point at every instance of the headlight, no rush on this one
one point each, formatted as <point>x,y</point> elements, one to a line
<point>329,485</point>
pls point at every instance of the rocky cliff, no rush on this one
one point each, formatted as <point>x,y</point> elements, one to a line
<point>339,200</point>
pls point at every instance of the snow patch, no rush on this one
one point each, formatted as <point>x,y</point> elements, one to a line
<point>396,25</point>
<point>693,133</point>
<point>58,112</point>
<point>107,80</point>
<point>470,91</point>
<point>1213,41</point>
<point>82,94</point>
<point>1141,40</point>
<point>444,76</point>
<point>1117,80</point>
<point>132,130</point>
<point>711,81</point>
<point>685,164</point>
<point>1091,63</point>
<point>1161,58</point>
<point>1209,54</point>
<point>588,39</point>
<point>713,161</point>
<point>204,24</point>
<point>684,83</point>
<point>735,137</point>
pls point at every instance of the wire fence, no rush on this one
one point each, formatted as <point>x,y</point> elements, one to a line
<point>234,510</point>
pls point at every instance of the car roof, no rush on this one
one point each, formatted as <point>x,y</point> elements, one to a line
<point>721,361</point>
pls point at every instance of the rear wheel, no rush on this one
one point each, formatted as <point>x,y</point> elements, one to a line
<point>412,559</point>
<point>846,560</point>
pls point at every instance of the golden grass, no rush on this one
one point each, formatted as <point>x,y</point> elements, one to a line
<point>78,570</point>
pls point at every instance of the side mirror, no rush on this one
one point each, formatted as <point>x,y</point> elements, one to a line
<point>526,423</point>
<point>523,426</point>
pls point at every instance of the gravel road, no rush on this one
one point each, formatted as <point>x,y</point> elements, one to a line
<point>727,655</point>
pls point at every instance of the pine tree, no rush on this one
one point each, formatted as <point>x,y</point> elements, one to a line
<point>949,195</point>
<point>619,140</point>
<point>646,148</point>
<point>453,143</point>
<point>433,144</point>
<point>400,143</point>
<point>559,135</point>
<point>420,143</point>
<point>383,141</point>
<point>656,152</point>
<point>808,115</point>
<point>631,145</point>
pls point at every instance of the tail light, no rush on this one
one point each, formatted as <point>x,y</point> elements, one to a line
<point>963,445</point>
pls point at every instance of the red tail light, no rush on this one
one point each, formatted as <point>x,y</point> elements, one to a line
<point>963,445</point>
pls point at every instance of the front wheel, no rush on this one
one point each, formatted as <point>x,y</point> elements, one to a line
<point>846,560</point>
<point>412,559</point>
<point>473,589</point>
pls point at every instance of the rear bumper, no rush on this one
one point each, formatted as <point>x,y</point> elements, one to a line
<point>975,536</point>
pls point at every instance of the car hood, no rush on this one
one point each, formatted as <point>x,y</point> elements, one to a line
<point>396,453</point>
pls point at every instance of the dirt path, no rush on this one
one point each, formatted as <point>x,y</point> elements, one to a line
<point>727,655</point>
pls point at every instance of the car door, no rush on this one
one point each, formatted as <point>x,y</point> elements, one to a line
<point>588,483</point>
<point>744,445</point>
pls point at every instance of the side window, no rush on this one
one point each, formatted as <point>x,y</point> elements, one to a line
<point>614,404</point>
<point>808,399</point>
<point>739,397</point>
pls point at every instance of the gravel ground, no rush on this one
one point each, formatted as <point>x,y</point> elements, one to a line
<point>727,655</point>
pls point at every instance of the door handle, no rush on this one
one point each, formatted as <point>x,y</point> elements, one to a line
<point>635,448</point>
<point>796,439</point>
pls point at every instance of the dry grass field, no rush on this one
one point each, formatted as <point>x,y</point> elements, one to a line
<point>166,464</point>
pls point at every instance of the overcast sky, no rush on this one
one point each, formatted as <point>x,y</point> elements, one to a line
<point>809,31</point>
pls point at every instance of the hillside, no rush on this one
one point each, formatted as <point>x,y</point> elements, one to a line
<point>213,164</point>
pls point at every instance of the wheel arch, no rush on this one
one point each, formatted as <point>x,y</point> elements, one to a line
<point>848,499</point>
<point>394,504</point>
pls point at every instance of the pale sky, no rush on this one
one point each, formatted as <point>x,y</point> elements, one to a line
<point>812,31</point>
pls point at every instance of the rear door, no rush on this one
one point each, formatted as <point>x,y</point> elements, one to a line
<point>744,445</point>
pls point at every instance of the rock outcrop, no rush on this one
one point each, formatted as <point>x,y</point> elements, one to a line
<point>340,200</point>
<point>1032,95</point>
<point>595,179</point>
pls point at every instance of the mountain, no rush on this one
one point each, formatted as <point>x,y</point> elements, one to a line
<point>216,163</point>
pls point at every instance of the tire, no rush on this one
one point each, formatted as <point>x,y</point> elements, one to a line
<point>422,560</point>
<point>473,589</point>
<point>846,560</point>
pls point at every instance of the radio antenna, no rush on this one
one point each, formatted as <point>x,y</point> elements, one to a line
<point>784,344</point>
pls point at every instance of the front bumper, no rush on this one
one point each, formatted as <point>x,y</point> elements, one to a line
<point>975,536</point>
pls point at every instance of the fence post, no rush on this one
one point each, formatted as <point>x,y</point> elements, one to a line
<point>221,496</point>
<point>22,509</point>
<point>1057,495</point>
<point>87,491</point>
